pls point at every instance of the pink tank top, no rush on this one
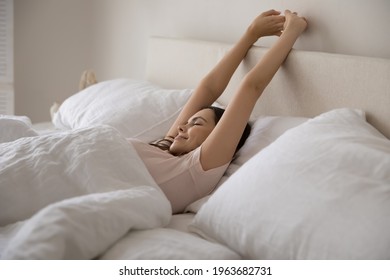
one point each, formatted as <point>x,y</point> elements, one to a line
<point>182,179</point>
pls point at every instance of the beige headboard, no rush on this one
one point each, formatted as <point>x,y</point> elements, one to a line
<point>309,83</point>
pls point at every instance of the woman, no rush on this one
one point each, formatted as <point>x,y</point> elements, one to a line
<point>199,146</point>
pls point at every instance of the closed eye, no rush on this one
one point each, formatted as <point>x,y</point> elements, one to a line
<point>198,121</point>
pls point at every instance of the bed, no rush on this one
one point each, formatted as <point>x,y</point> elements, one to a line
<point>312,181</point>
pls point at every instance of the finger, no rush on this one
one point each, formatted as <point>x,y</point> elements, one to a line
<point>280,25</point>
<point>280,18</point>
<point>271,13</point>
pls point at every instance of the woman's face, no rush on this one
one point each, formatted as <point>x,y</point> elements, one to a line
<point>192,134</point>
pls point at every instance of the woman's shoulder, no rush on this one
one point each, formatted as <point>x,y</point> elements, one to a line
<point>195,157</point>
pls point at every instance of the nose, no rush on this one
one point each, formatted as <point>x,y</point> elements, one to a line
<point>182,128</point>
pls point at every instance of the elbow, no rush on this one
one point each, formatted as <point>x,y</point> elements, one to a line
<point>255,86</point>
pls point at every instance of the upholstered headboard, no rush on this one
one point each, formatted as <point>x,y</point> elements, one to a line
<point>309,83</point>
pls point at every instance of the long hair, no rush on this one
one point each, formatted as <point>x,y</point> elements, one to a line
<point>165,144</point>
<point>218,112</point>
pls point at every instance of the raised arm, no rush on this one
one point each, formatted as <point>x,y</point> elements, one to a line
<point>215,82</point>
<point>220,145</point>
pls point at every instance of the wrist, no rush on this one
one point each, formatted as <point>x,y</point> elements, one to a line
<point>251,35</point>
<point>296,28</point>
<point>291,32</point>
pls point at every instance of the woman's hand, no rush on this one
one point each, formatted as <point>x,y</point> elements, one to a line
<point>294,22</point>
<point>267,24</point>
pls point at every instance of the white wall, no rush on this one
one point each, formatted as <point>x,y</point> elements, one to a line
<point>55,39</point>
<point>51,48</point>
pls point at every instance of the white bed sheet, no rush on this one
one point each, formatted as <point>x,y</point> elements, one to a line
<point>174,242</point>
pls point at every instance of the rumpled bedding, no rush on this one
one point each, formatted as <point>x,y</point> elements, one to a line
<point>72,194</point>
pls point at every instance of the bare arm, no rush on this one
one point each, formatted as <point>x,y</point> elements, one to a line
<point>215,82</point>
<point>219,147</point>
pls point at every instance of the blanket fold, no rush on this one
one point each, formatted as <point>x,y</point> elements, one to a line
<point>78,192</point>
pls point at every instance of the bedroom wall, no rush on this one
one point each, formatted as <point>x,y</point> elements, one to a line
<point>56,40</point>
<point>52,41</point>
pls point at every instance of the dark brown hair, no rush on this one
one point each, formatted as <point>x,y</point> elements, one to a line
<point>218,112</point>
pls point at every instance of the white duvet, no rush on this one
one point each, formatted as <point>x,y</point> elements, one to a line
<point>72,195</point>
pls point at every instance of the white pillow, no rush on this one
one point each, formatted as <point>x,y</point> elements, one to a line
<point>136,108</point>
<point>320,191</point>
<point>15,127</point>
<point>265,130</point>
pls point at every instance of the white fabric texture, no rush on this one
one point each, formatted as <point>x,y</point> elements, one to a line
<point>136,108</point>
<point>37,171</point>
<point>167,244</point>
<point>320,191</point>
<point>15,127</point>
<point>84,227</point>
<point>79,190</point>
<point>23,119</point>
<point>264,130</point>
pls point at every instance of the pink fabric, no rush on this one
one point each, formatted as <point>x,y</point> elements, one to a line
<point>182,178</point>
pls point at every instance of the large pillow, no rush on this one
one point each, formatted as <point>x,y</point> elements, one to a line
<point>265,130</point>
<point>320,191</point>
<point>136,108</point>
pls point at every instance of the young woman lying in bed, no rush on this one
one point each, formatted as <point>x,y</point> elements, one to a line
<point>191,159</point>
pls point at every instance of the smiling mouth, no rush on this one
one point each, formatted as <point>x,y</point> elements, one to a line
<point>179,137</point>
